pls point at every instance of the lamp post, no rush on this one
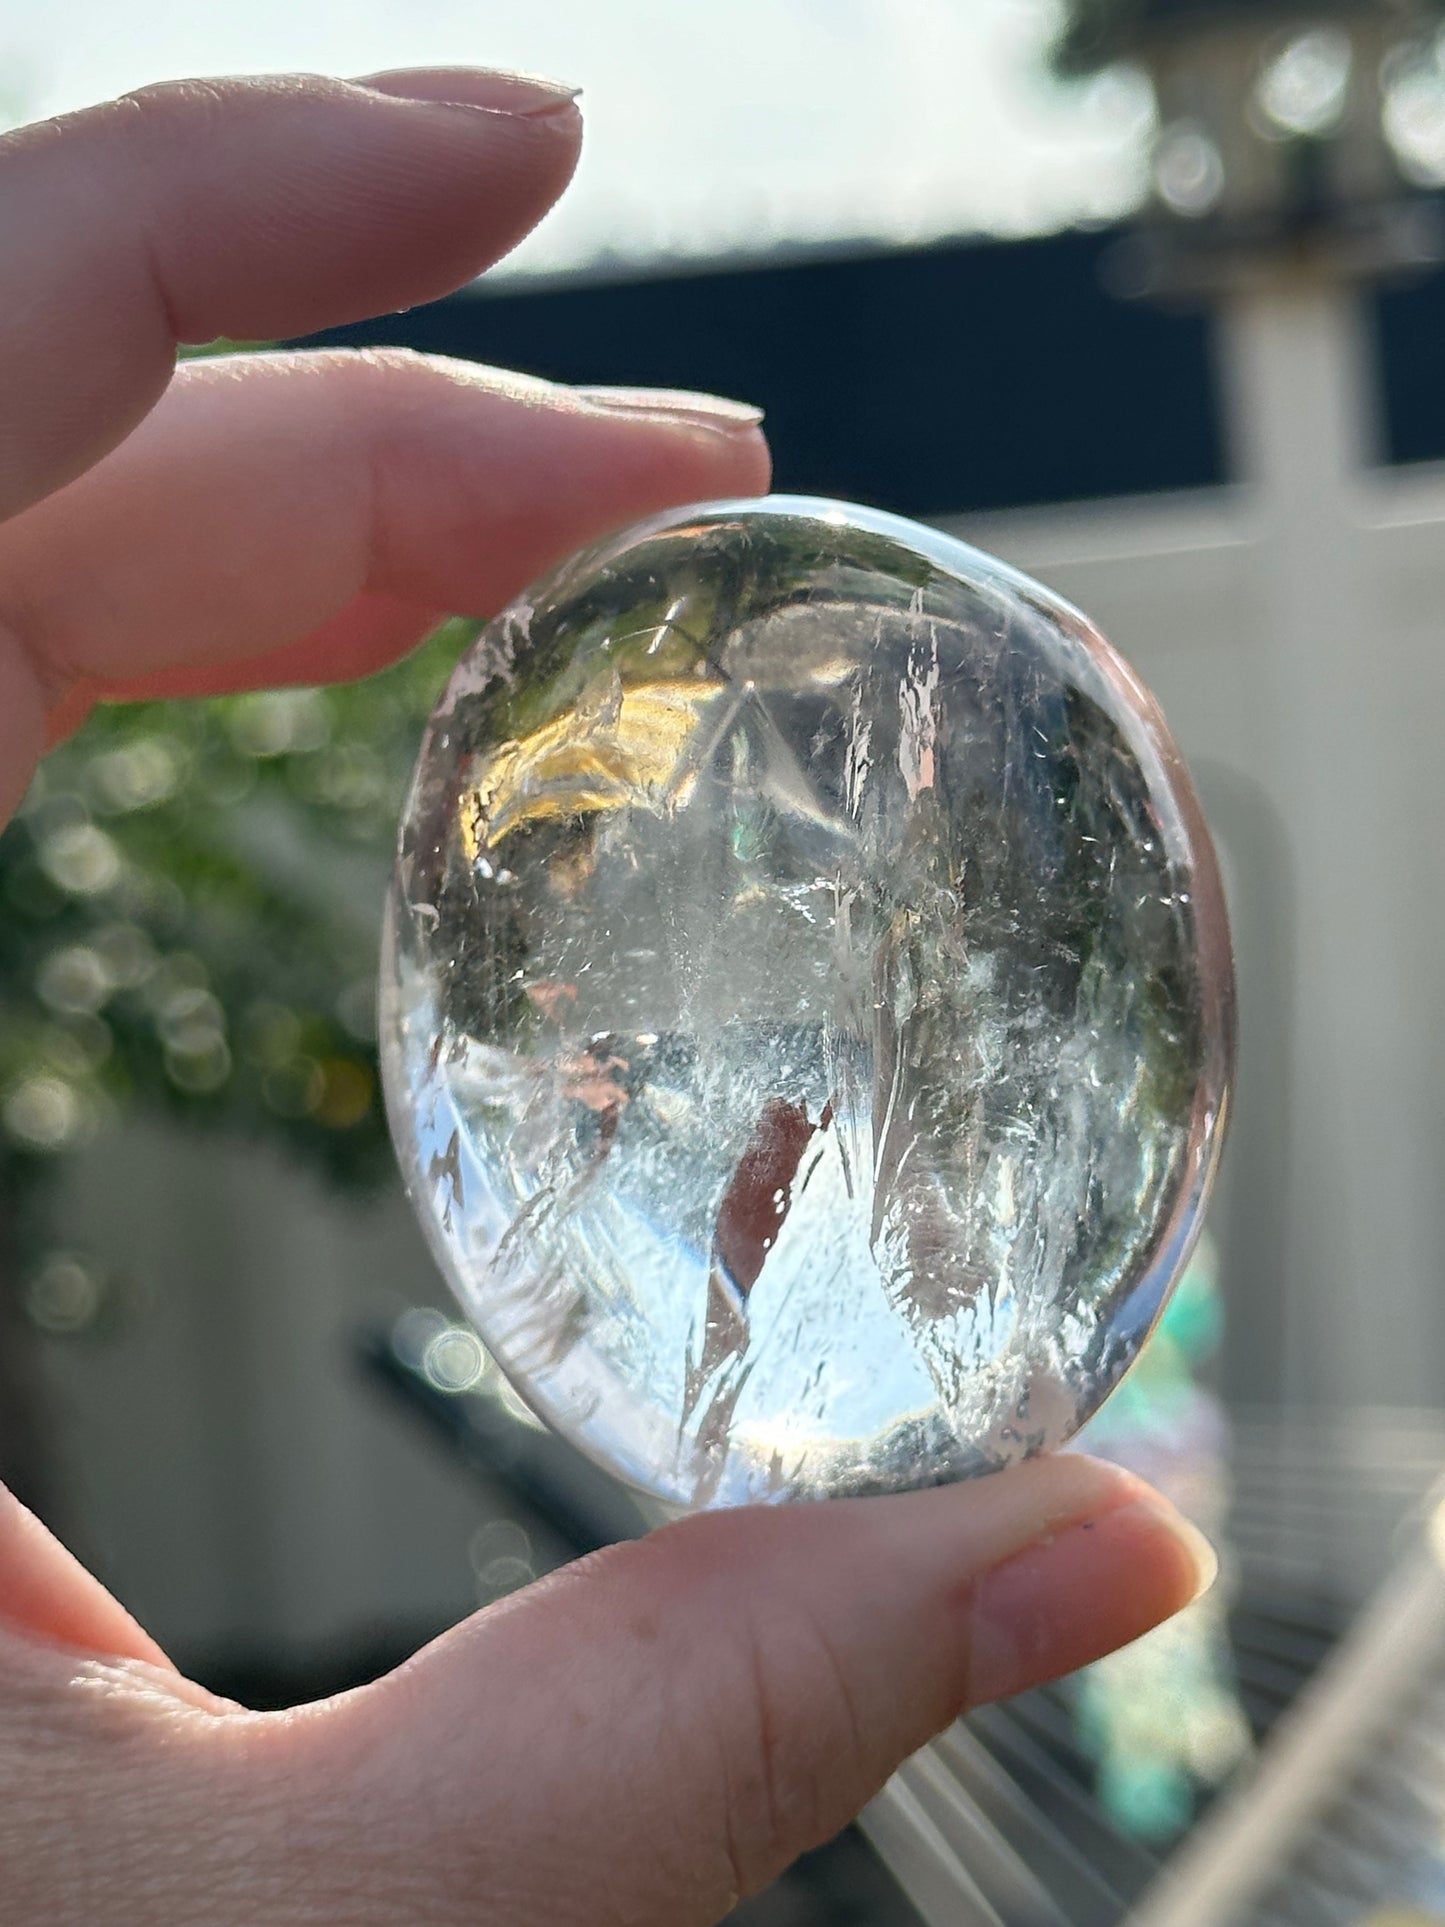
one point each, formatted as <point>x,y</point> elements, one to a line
<point>1295,150</point>
<point>1283,127</point>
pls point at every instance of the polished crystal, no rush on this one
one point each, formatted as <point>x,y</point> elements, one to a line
<point>807,1008</point>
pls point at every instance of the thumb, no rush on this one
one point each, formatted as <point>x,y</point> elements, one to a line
<point>659,1730</point>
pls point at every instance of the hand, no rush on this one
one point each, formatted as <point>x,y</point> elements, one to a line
<point>654,1731</point>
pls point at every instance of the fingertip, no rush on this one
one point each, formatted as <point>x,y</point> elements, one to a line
<point>755,458</point>
<point>257,207</point>
<point>47,1596</point>
<point>317,508</point>
<point>1080,1592</point>
<point>741,460</point>
<point>707,1703</point>
<point>1196,1560</point>
<point>720,437</point>
<point>1108,1487</point>
<point>495,90</point>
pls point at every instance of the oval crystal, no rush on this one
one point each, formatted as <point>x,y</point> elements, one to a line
<point>807,1004</point>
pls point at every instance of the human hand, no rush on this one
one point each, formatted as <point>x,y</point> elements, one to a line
<point>658,1729</point>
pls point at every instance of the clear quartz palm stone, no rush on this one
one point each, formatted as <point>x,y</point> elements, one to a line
<point>807,1005</point>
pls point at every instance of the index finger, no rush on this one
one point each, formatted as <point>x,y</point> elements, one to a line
<point>252,208</point>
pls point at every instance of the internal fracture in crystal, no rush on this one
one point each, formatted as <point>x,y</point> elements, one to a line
<point>807,1011</point>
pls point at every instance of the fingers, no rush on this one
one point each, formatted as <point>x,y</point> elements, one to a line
<point>252,208</point>
<point>640,1740</point>
<point>114,1795</point>
<point>664,1728</point>
<point>48,1595</point>
<point>267,492</point>
<point>306,517</point>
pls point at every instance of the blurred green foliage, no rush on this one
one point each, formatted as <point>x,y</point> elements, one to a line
<point>189,910</point>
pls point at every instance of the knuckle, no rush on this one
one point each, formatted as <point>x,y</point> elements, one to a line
<point>394,364</point>
<point>797,1763</point>
<point>399,380</point>
<point>169,120</point>
<point>135,1747</point>
<point>166,109</point>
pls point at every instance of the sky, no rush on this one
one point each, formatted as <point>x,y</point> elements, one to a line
<point>714,127</point>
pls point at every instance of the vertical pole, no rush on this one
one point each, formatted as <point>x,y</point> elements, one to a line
<point>1302,408</point>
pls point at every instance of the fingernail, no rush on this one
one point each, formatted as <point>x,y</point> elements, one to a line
<point>1193,1543</point>
<point>675,405</point>
<point>1082,1591</point>
<point>522,96</point>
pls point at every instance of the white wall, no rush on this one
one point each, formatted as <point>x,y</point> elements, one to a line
<point>233,1474</point>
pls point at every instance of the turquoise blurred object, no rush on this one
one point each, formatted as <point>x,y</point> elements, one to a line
<point>1163,1719</point>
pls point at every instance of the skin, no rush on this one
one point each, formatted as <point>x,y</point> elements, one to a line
<point>658,1729</point>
